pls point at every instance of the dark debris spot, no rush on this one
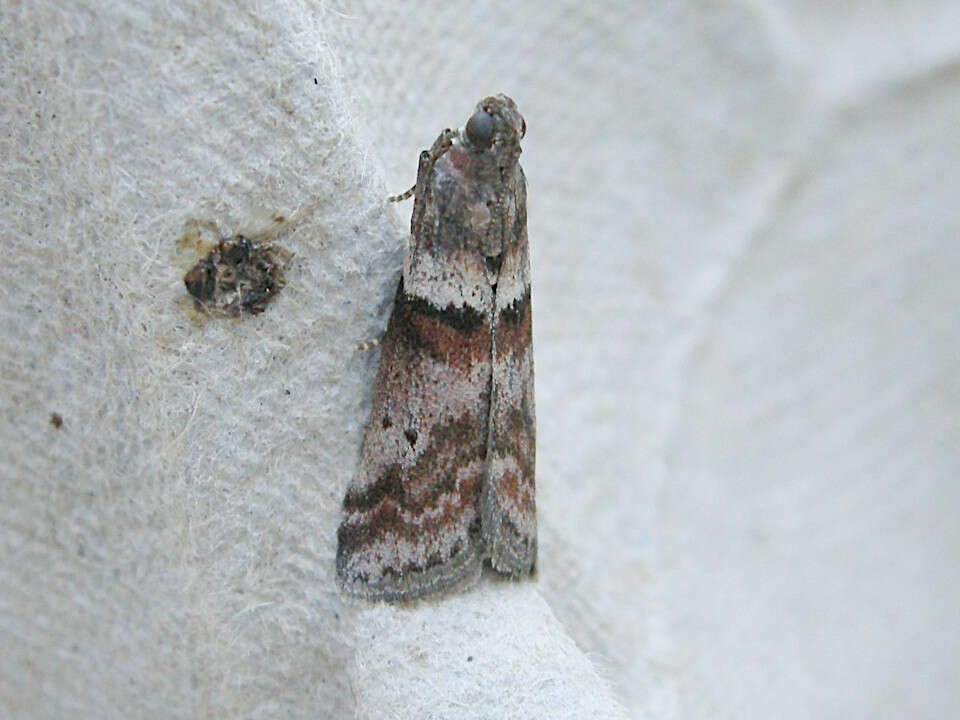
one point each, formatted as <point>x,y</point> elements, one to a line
<point>238,277</point>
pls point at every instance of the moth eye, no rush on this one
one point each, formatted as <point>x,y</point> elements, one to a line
<point>480,129</point>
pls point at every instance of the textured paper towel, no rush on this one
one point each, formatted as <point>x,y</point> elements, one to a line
<point>743,228</point>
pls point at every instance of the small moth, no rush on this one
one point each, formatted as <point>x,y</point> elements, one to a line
<point>445,480</point>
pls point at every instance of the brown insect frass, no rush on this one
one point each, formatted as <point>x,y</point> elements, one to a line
<point>446,474</point>
<point>239,276</point>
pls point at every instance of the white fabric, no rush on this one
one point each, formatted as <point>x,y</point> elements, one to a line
<point>744,225</point>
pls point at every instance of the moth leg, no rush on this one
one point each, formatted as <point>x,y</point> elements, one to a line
<point>427,160</point>
<point>368,345</point>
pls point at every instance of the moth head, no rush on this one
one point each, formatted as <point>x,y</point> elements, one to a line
<point>496,123</point>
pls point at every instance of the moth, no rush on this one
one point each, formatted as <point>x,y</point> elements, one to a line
<point>445,481</point>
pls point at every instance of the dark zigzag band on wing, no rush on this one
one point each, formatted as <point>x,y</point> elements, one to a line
<point>385,498</point>
<point>440,331</point>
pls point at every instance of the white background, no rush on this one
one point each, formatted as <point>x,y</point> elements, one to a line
<point>746,244</point>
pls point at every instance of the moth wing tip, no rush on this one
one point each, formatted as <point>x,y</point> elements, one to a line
<point>461,573</point>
